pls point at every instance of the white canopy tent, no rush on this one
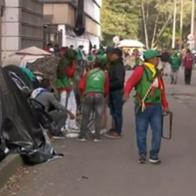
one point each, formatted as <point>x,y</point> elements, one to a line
<point>24,56</point>
<point>129,43</point>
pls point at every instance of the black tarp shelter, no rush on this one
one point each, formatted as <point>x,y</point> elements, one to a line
<point>20,130</point>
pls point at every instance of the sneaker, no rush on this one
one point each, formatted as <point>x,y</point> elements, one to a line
<point>73,130</point>
<point>75,127</point>
<point>113,135</point>
<point>155,161</point>
<point>82,139</point>
<point>111,130</point>
<point>72,135</point>
<point>103,131</point>
<point>63,129</point>
<point>93,131</point>
<point>97,140</point>
<point>142,159</point>
<point>60,135</point>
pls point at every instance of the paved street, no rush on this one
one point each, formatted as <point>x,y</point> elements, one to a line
<point>110,169</point>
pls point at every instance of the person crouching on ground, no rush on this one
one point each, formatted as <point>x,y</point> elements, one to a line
<point>175,62</point>
<point>93,86</point>
<point>48,100</point>
<point>149,104</point>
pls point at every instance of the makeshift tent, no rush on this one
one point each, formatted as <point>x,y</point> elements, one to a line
<point>27,55</point>
<point>47,66</point>
<point>20,129</point>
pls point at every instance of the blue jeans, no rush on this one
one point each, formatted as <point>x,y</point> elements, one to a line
<point>116,109</point>
<point>152,116</point>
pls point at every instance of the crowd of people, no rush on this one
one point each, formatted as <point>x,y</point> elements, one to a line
<point>86,85</point>
<point>171,62</point>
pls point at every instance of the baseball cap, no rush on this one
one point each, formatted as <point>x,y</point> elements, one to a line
<point>112,50</point>
<point>149,54</point>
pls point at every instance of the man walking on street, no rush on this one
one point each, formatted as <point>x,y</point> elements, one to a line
<point>149,104</point>
<point>175,62</point>
<point>188,66</point>
<point>116,78</point>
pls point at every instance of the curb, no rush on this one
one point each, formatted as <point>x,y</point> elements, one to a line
<point>8,167</point>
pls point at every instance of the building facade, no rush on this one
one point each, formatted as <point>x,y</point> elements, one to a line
<point>60,17</point>
<point>21,25</point>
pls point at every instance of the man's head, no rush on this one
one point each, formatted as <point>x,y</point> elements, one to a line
<point>70,54</point>
<point>45,83</point>
<point>188,51</point>
<point>81,47</point>
<point>95,47</point>
<point>136,52</point>
<point>152,56</point>
<point>174,51</point>
<point>113,54</point>
<point>101,62</point>
<point>63,50</point>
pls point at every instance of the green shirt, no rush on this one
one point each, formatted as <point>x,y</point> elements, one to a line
<point>175,62</point>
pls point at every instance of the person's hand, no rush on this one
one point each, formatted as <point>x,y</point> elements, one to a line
<point>166,110</point>
<point>125,97</point>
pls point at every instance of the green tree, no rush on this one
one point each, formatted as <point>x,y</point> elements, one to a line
<point>119,17</point>
<point>147,20</point>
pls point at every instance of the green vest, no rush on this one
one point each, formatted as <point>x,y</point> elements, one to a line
<point>95,81</point>
<point>144,85</point>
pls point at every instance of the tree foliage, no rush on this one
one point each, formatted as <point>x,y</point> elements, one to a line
<point>130,19</point>
<point>119,17</point>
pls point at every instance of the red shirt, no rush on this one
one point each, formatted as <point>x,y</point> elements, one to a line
<point>136,77</point>
<point>70,70</point>
<point>82,85</point>
<point>188,61</point>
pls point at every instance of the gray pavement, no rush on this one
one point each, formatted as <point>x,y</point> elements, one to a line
<point>109,168</point>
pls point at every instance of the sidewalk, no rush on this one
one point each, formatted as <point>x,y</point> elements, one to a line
<point>8,167</point>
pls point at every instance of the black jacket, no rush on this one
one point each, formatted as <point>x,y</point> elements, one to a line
<point>116,75</point>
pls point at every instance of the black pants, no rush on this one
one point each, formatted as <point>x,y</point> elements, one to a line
<point>116,109</point>
<point>59,118</point>
<point>187,76</point>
